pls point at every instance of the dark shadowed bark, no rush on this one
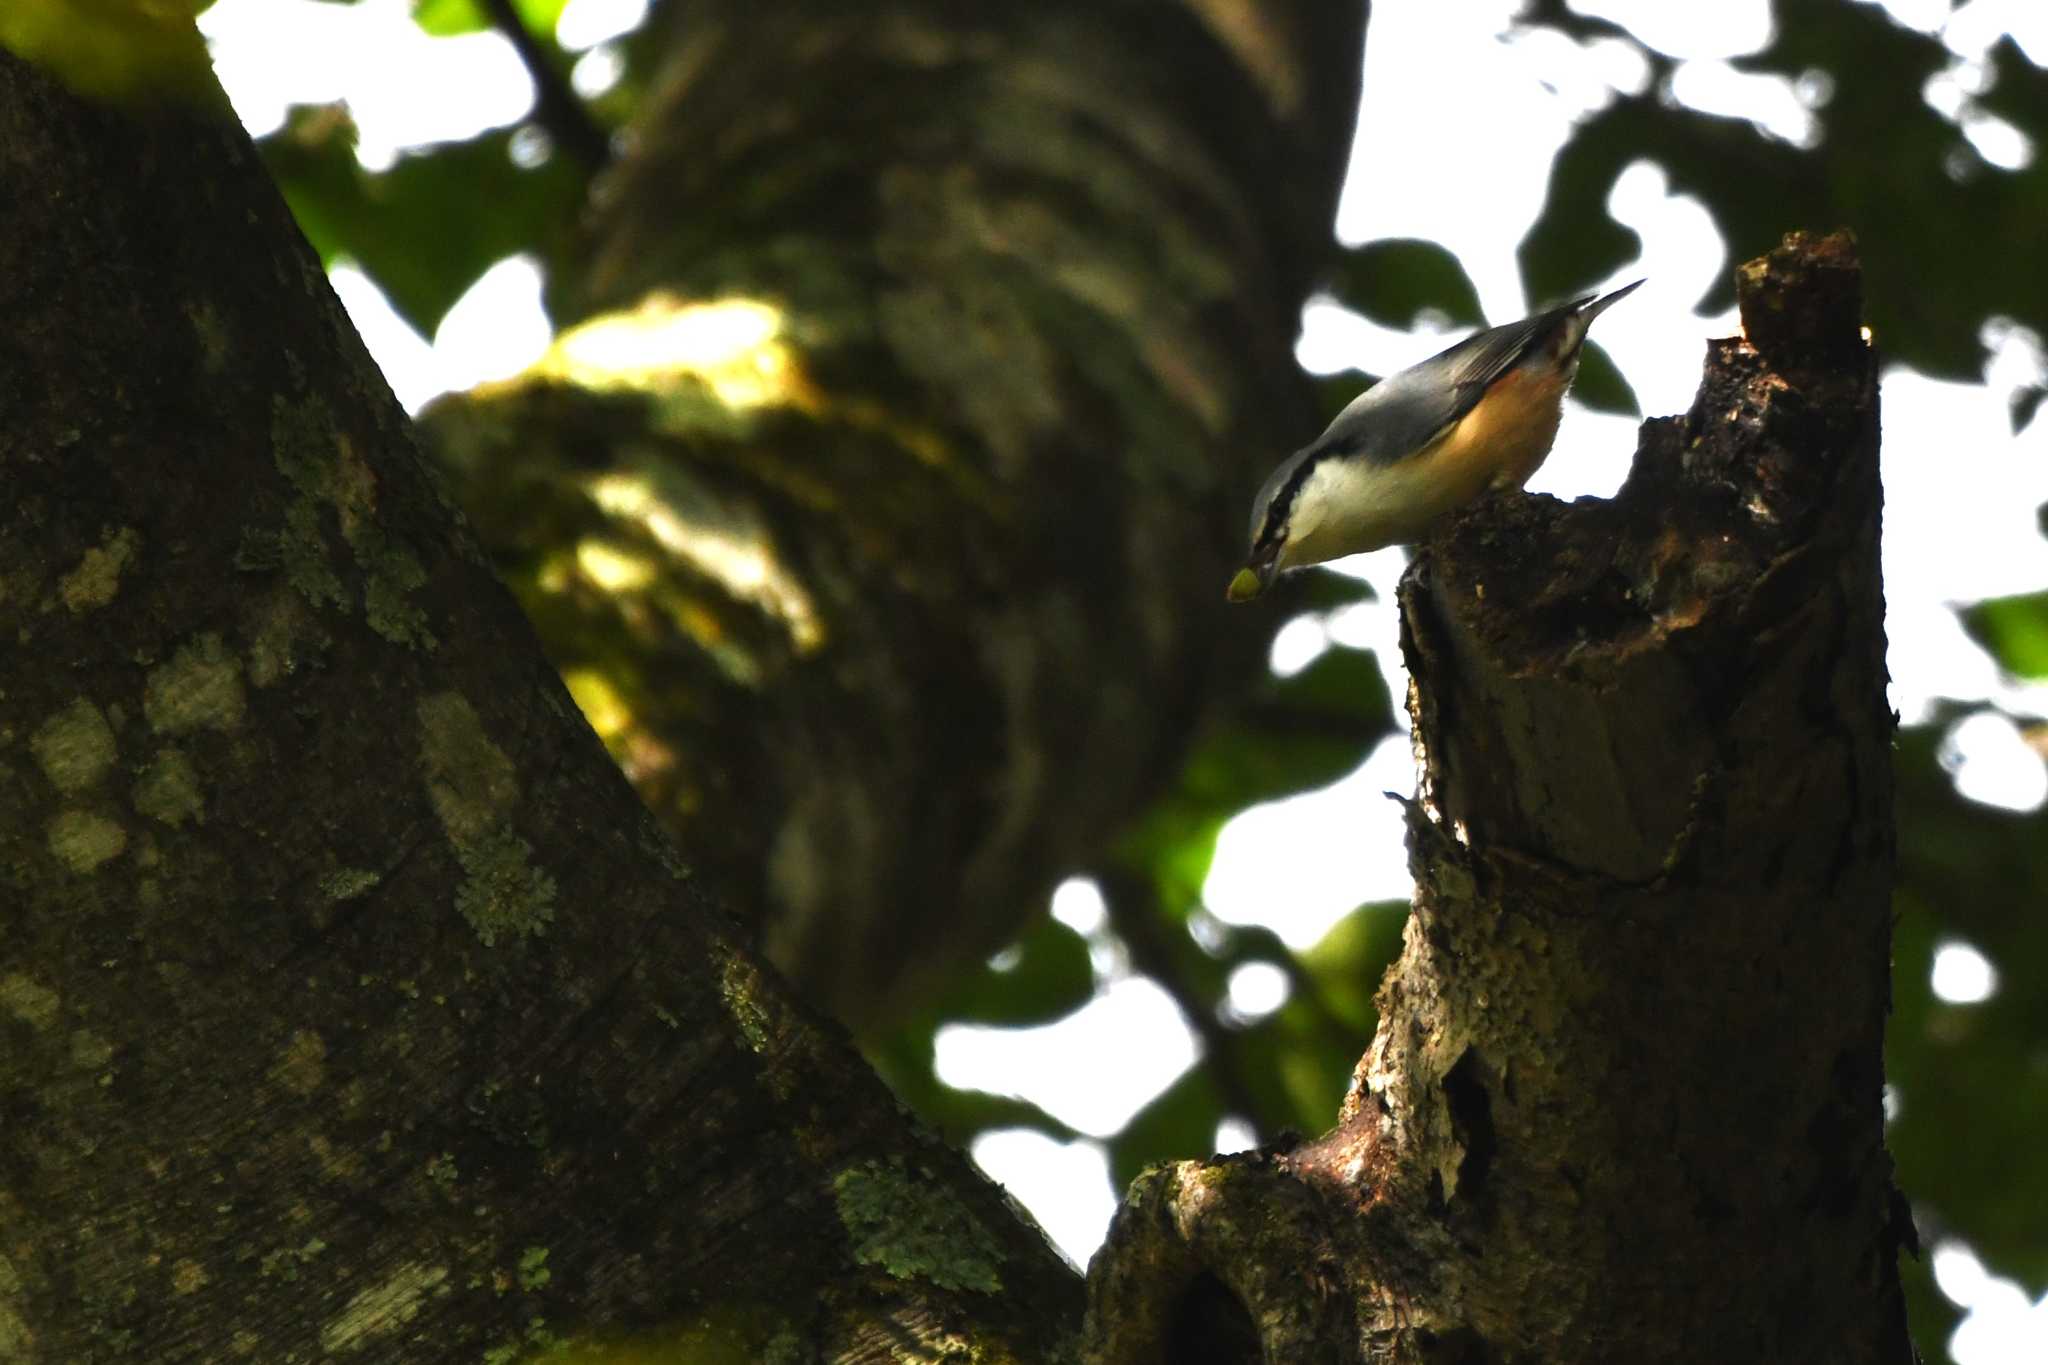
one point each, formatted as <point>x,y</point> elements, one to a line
<point>900,599</point>
<point>354,1006</point>
<point>1624,1101</point>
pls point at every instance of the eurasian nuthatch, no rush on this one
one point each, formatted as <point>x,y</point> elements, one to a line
<point>1421,443</point>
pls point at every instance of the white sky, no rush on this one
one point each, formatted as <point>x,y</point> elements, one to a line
<point>1951,466</point>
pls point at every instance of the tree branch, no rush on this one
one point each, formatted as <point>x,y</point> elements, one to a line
<point>557,109</point>
<point>1624,1100</point>
<point>1136,917</point>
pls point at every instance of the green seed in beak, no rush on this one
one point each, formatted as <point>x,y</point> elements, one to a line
<point>1245,586</point>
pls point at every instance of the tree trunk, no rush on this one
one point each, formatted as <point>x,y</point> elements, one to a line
<point>921,598</point>
<point>1624,1100</point>
<point>356,1007</point>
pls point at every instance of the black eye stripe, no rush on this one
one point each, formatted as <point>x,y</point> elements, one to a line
<point>1282,506</point>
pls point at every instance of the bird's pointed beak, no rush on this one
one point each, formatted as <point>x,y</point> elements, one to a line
<point>1251,580</point>
<point>1602,304</point>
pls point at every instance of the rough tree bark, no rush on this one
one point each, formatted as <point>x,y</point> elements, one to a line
<point>354,1005</point>
<point>1624,1100</point>
<point>903,633</point>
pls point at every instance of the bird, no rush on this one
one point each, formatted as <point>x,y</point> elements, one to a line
<point>1420,444</point>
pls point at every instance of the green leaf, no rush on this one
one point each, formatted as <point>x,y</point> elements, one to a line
<point>1574,242</point>
<point>1299,1066</point>
<point>445,18</point>
<point>1182,866</point>
<point>1347,962</point>
<point>1931,1315</point>
<point>903,1059</point>
<point>1396,280</point>
<point>425,229</point>
<point>2023,404</point>
<point>1329,591</point>
<point>1252,762</point>
<point>1600,385</point>
<point>1302,732</point>
<point>2015,630</point>
<point>122,52</point>
<point>1180,1122</point>
<point>1758,186</point>
<point>1970,1104</point>
<point>1346,689</point>
<point>1967,1077</point>
<point>1046,975</point>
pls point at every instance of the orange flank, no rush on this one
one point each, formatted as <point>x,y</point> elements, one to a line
<point>1502,441</point>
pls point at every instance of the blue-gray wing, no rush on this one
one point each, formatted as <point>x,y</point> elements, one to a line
<point>1406,411</point>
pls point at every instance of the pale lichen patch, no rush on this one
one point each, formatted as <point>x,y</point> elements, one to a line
<point>327,470</point>
<point>210,331</point>
<point>351,487</point>
<point>89,1051</point>
<point>28,1000</point>
<point>336,1162</point>
<point>470,780</point>
<point>188,1276</point>
<point>390,574</point>
<point>913,1227</point>
<point>200,688</point>
<point>382,1308</point>
<point>75,747</point>
<point>282,636</point>
<point>473,787</point>
<point>82,840</point>
<point>98,576</point>
<point>304,445</point>
<point>17,1342</point>
<point>740,986</point>
<point>303,1064</point>
<point>533,1269</point>
<point>503,895</point>
<point>346,883</point>
<point>286,1263</point>
<point>762,1020</point>
<point>168,790</point>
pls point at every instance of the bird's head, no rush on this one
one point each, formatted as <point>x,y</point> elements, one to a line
<point>1272,525</point>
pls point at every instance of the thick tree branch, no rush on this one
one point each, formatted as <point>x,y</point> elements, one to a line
<point>355,1006</point>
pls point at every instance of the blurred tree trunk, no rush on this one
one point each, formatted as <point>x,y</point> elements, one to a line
<point>1624,1100</point>
<point>896,602</point>
<point>355,1007</point>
